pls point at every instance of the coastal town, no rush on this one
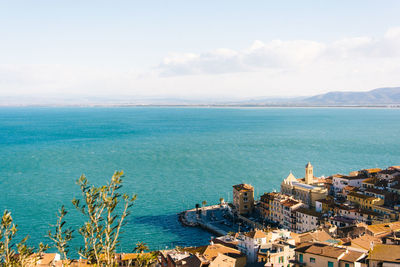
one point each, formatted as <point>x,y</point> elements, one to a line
<point>337,221</point>
<point>340,220</point>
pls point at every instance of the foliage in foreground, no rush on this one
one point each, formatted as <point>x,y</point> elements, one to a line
<point>104,219</point>
<point>12,253</point>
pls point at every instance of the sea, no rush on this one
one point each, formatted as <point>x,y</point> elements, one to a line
<point>174,158</point>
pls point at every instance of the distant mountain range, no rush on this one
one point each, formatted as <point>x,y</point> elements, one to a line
<point>376,97</point>
<point>380,96</point>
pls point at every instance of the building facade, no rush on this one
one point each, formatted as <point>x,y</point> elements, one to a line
<point>307,220</point>
<point>308,190</point>
<point>243,198</point>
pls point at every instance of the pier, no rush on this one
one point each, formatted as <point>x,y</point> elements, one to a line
<point>217,219</point>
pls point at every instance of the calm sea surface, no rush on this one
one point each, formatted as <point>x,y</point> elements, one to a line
<point>174,158</point>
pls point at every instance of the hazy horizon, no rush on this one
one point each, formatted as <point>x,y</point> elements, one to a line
<point>204,50</point>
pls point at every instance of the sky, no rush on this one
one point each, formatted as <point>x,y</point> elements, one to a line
<point>197,49</point>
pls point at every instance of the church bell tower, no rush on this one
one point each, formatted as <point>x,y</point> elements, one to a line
<point>309,178</point>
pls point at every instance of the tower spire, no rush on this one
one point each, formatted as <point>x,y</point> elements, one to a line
<point>309,177</point>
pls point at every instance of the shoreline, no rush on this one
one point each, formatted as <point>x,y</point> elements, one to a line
<point>389,106</point>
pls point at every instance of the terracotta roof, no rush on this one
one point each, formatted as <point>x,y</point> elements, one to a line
<point>268,196</point>
<point>223,260</point>
<point>373,170</point>
<point>384,228</point>
<point>364,242</point>
<point>240,187</point>
<point>290,202</point>
<point>256,234</point>
<point>352,256</point>
<point>190,261</point>
<point>47,258</point>
<point>322,250</point>
<point>386,253</point>
<point>349,188</point>
<point>212,251</point>
<point>318,235</point>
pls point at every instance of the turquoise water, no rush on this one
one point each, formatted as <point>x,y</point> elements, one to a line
<point>174,158</point>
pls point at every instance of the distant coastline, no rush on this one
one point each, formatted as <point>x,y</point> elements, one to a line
<point>383,106</point>
<point>378,98</point>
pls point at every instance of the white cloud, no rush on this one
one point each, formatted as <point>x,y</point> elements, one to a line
<point>282,55</point>
<point>276,54</point>
<point>273,68</point>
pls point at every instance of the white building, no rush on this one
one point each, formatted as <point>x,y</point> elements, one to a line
<point>307,220</point>
<point>340,181</point>
<point>283,209</point>
<point>250,242</point>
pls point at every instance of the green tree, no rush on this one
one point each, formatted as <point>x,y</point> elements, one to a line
<point>102,229</point>
<point>144,259</point>
<point>16,254</point>
<point>141,247</point>
<point>61,237</point>
<point>8,231</point>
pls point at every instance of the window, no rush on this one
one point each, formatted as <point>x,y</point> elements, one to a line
<point>330,264</point>
<point>300,257</point>
<point>312,260</point>
<point>347,265</point>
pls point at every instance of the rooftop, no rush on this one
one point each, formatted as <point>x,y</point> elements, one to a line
<point>343,219</point>
<point>391,171</point>
<point>387,253</point>
<point>223,260</point>
<point>322,250</point>
<point>47,258</point>
<point>318,235</point>
<point>309,212</point>
<point>373,170</point>
<point>211,251</point>
<point>290,203</point>
<point>383,228</point>
<point>375,191</point>
<point>256,234</point>
<point>351,177</point>
<point>243,187</point>
<point>364,242</point>
<point>352,256</point>
<point>358,195</point>
<point>306,186</point>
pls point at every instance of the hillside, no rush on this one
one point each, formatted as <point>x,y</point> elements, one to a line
<point>380,96</point>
